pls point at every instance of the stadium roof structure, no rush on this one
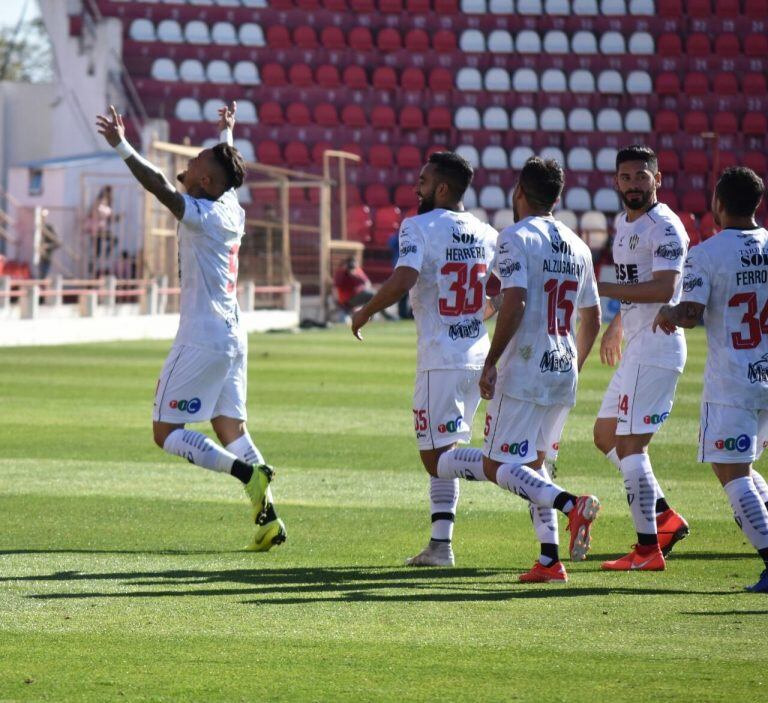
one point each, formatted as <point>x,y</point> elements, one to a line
<point>74,160</point>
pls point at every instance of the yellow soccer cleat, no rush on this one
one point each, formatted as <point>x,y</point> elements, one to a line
<point>270,530</point>
<point>257,488</point>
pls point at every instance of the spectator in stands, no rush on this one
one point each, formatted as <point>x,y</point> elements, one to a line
<point>352,287</point>
<point>125,266</point>
<point>98,225</point>
<point>49,243</point>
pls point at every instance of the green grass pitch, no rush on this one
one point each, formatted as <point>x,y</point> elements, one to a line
<point>121,575</point>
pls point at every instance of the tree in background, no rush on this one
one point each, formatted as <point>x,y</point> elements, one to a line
<point>25,53</point>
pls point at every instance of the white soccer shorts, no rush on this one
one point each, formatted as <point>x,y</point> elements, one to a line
<point>198,384</point>
<point>730,435</point>
<point>515,430</point>
<point>639,397</point>
<point>444,405</point>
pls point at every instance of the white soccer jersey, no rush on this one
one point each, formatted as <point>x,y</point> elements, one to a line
<point>209,240</point>
<point>656,241</point>
<point>546,258</point>
<point>729,274</point>
<point>454,254</point>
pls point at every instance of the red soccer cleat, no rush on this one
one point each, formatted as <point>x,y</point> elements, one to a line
<point>641,558</point>
<point>671,527</point>
<point>545,574</point>
<point>580,521</point>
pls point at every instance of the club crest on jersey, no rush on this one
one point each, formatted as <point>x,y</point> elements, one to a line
<point>633,241</point>
<point>190,406</point>
<point>740,444</point>
<point>758,372</point>
<point>556,361</point>
<point>668,251</point>
<point>469,329</point>
<point>669,231</point>
<point>690,282</point>
<point>507,267</point>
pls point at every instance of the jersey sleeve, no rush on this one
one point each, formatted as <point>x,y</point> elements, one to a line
<point>511,262</point>
<point>588,295</point>
<point>196,212</point>
<point>669,244</point>
<point>412,245</point>
<point>696,277</point>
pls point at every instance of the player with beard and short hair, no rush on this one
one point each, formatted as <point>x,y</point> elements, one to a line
<point>649,249</point>
<point>446,257</point>
<point>204,376</point>
<point>726,281</point>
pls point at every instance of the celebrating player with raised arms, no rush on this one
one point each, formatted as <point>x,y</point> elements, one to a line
<point>204,376</point>
<point>446,257</point>
<point>726,280</point>
<point>648,252</point>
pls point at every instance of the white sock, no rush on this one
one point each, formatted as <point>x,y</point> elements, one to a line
<point>760,485</point>
<point>443,499</point>
<point>200,450</point>
<point>641,492</point>
<point>614,459</point>
<point>529,485</point>
<point>750,512</point>
<point>545,523</point>
<point>245,450</point>
<point>466,463</point>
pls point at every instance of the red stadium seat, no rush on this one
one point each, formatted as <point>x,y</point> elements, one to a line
<point>669,162</point>
<point>383,117</point>
<point>669,45</point>
<point>353,193</point>
<point>696,122</point>
<point>408,157</point>
<point>384,78</point>
<point>268,152</point>
<point>669,8</point>
<point>411,117</point>
<point>271,114</point>
<point>354,77</point>
<point>434,149</point>
<point>386,223</point>
<point>689,222</point>
<point>727,9</point>
<point>327,76</point>
<point>707,226</point>
<point>446,7</point>
<point>696,83</point>
<point>413,78</point>
<point>297,154</point>
<point>300,75</point>
<point>388,40</point>
<point>405,198</point>
<point>273,75</point>
<point>439,118</point>
<point>754,84</point>
<point>444,41</point>
<point>360,39</point>
<point>697,44</point>
<point>694,201</point>
<point>336,5</point>
<point>359,223</point>
<point>308,4</point>
<point>317,154</point>
<point>667,84</point>
<point>725,84</point>
<point>353,148</point>
<point>418,6</point>
<point>377,195</point>
<point>440,80</point>
<point>282,4</point>
<point>298,115</point>
<point>362,6</point>
<point>353,116</point>
<point>725,159</point>
<point>666,122</point>
<point>756,9</point>
<point>332,38</point>
<point>754,124</point>
<point>305,37</point>
<point>757,161</point>
<point>326,115</point>
<point>670,198</point>
<point>756,45</point>
<point>727,45</point>
<point>725,123</point>
<point>699,8</point>
<point>391,6</point>
<point>695,162</point>
<point>417,40</point>
<point>278,37</point>
<point>381,156</point>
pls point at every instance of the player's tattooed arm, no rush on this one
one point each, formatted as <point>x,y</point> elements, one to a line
<point>660,289</point>
<point>492,306</point>
<point>685,314</point>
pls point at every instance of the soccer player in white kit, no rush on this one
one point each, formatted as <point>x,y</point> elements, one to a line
<point>726,280</point>
<point>446,257</point>
<point>648,251</point>
<point>204,376</point>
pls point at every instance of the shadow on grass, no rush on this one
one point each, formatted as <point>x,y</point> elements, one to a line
<point>724,612</point>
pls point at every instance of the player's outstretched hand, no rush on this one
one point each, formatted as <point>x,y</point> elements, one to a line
<point>610,346</point>
<point>663,322</point>
<point>488,382</point>
<point>359,320</point>
<point>111,127</point>
<point>227,117</point>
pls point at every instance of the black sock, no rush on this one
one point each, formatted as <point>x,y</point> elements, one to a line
<point>764,554</point>
<point>241,470</point>
<point>661,505</point>
<point>647,540</point>
<point>439,541</point>
<point>562,500</point>
<point>550,552</point>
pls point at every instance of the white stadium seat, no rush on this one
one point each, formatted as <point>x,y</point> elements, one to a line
<point>246,73</point>
<point>578,199</point>
<point>553,81</point>
<point>585,8</point>
<point>169,31</point>
<point>612,44</point>
<point>642,7</point>
<point>501,7</point>
<point>228,3</point>
<point>472,41</point>
<point>609,120</point>
<point>211,110</point>
<point>251,34</point>
<point>495,118</point>
<point>519,155</point>
<point>582,81</point>
<point>469,79</point>
<point>219,71</point>
<point>201,2</point>
<point>142,30</point>
<point>192,71</point>
<point>556,42</point>
<point>553,153</point>
<point>557,7</point>
<point>606,159</point>
<point>580,159</point>
<point>468,152</point>
<point>224,33</point>
<point>210,142</point>
<point>473,7</point>
<point>164,70</point>
<point>492,198</point>
<point>196,32</point>
<point>467,117</point>
<point>188,109</point>
<point>580,120</point>
<point>641,44</point>
<point>568,218</point>
<point>639,83</point>
<point>503,218</point>
<point>246,112</point>
<point>637,121</point>
<point>613,8</point>
<point>584,42</point>
<point>594,221</point>
<point>500,42</point>
<point>607,200</point>
<point>480,214</point>
<point>494,158</point>
<point>552,119</point>
<point>528,42</point>
<point>246,149</point>
<point>524,119</point>
<point>529,7</point>
<point>497,79</point>
<point>610,83</point>
<point>244,195</point>
<point>255,3</point>
<point>470,198</point>
<point>525,80</point>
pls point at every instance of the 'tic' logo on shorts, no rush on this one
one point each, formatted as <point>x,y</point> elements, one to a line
<point>190,406</point>
<point>655,419</point>
<point>450,426</point>
<point>516,449</point>
<point>740,444</point>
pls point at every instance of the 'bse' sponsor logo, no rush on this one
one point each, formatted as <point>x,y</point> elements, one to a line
<point>516,448</point>
<point>655,419</point>
<point>740,444</point>
<point>626,273</point>
<point>451,426</point>
<point>190,406</point>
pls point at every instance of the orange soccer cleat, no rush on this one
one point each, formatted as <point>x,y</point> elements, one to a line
<point>671,527</point>
<point>580,521</point>
<point>545,574</point>
<point>641,558</point>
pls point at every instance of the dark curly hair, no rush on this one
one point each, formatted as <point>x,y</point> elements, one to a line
<point>232,162</point>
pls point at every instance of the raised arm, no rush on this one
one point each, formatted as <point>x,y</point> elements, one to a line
<point>150,177</point>
<point>226,123</point>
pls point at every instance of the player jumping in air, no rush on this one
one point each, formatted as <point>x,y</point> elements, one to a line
<point>204,376</point>
<point>726,280</point>
<point>648,252</point>
<point>446,257</point>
